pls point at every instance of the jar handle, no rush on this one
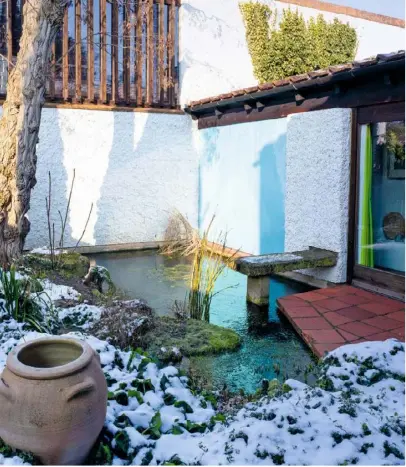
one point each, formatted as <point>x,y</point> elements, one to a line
<point>5,390</point>
<point>87,385</point>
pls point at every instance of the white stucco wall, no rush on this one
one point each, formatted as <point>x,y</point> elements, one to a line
<point>213,52</point>
<point>317,185</point>
<point>135,167</point>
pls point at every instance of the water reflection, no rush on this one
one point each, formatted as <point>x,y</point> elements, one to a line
<point>270,347</point>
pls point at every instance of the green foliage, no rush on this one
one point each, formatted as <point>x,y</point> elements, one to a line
<point>290,47</point>
<point>121,444</point>
<point>294,47</point>
<point>142,385</point>
<point>8,451</point>
<point>183,405</point>
<point>136,394</point>
<point>256,17</point>
<point>121,397</point>
<point>392,449</point>
<point>155,425</point>
<point>365,429</point>
<point>21,301</point>
<point>395,146</point>
<point>194,427</point>
<point>176,430</point>
<point>191,336</point>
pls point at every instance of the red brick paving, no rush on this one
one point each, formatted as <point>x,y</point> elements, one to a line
<point>332,304</point>
<point>336,319</point>
<point>348,336</point>
<point>303,312</point>
<point>313,323</point>
<point>355,313</point>
<point>359,328</point>
<point>329,318</point>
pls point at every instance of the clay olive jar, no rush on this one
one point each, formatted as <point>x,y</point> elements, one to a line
<point>53,399</point>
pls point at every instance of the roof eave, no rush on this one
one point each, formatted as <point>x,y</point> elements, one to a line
<point>277,92</point>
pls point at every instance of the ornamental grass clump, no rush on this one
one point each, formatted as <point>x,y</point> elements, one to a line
<point>180,238</point>
<point>20,299</point>
<point>210,259</point>
<point>208,265</point>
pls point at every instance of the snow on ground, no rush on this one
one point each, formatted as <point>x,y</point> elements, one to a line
<point>354,416</point>
<point>82,315</point>
<point>46,251</point>
<point>57,292</point>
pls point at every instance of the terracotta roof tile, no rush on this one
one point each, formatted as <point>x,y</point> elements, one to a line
<point>238,92</point>
<point>206,100</point>
<point>227,95</point>
<point>251,89</point>
<point>339,68</point>
<point>299,78</point>
<point>281,82</point>
<point>265,86</point>
<point>318,73</point>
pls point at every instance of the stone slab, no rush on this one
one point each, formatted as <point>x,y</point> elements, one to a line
<point>264,265</point>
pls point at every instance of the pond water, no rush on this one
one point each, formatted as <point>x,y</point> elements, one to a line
<point>270,347</point>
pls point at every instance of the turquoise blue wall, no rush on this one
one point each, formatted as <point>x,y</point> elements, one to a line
<point>242,182</point>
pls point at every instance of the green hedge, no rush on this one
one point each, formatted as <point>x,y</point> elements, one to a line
<point>294,46</point>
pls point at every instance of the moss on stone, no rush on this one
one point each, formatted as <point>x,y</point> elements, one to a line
<point>265,265</point>
<point>192,337</point>
<point>68,264</point>
<point>75,263</point>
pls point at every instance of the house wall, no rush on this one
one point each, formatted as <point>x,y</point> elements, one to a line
<point>242,183</point>
<point>317,185</point>
<point>135,167</point>
<point>213,53</point>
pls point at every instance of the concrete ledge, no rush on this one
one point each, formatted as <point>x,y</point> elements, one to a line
<point>92,249</point>
<point>264,265</point>
<point>119,247</point>
<point>258,290</point>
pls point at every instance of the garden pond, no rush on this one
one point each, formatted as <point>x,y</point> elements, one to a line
<point>270,347</point>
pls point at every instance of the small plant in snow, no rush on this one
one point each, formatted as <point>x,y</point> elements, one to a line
<point>23,300</point>
<point>100,276</point>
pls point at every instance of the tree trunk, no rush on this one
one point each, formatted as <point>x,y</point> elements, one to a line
<point>19,125</point>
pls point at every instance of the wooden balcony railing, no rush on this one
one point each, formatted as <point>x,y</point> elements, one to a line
<point>114,52</point>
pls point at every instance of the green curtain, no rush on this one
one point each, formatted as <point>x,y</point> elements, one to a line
<point>367,232</point>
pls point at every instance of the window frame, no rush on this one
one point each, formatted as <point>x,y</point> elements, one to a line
<point>390,282</point>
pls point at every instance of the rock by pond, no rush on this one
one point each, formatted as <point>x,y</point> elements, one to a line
<point>192,337</point>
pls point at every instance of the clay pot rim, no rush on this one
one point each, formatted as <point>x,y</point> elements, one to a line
<point>20,369</point>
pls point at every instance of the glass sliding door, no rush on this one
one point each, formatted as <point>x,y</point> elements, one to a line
<point>380,205</point>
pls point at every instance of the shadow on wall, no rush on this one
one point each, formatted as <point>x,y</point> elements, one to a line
<point>135,167</point>
<point>242,182</point>
<point>50,158</point>
<point>151,171</point>
<point>272,196</point>
<point>209,154</point>
<point>125,185</point>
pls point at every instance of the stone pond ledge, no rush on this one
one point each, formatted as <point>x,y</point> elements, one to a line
<point>259,268</point>
<point>265,265</point>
